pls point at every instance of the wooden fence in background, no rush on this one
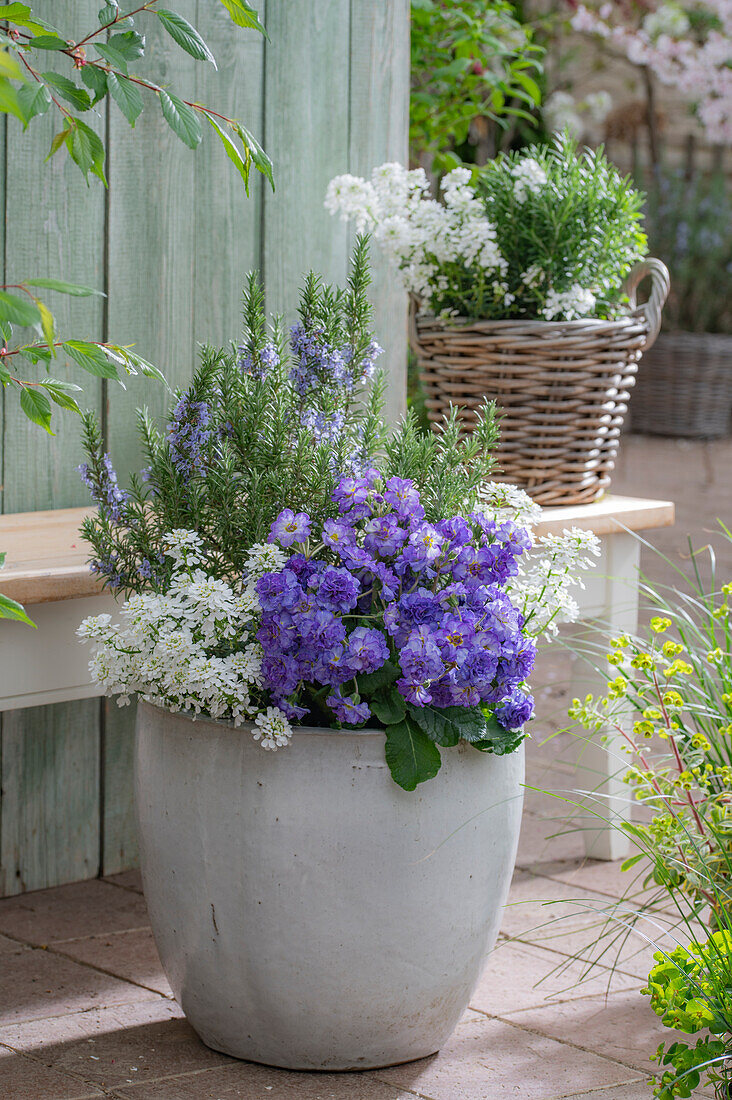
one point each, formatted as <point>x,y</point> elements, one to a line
<point>170,243</point>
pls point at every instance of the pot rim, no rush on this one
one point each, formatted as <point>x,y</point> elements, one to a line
<point>247,727</point>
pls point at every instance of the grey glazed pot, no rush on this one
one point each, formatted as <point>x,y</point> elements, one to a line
<point>309,914</point>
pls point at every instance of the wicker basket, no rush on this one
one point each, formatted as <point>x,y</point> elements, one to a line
<point>684,387</point>
<point>562,387</point>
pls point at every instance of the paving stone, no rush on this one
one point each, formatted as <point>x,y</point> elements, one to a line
<point>245,1081</point>
<point>621,1026</point>
<point>639,1090</point>
<point>128,880</point>
<point>112,1046</point>
<point>71,912</point>
<point>606,877</point>
<point>129,955</point>
<point>25,1079</point>
<point>578,922</point>
<point>35,983</point>
<point>491,1059</point>
<point>518,977</point>
<point>547,841</point>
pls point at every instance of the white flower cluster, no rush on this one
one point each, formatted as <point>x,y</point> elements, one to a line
<point>562,111</point>
<point>529,179</point>
<point>166,648</point>
<point>553,566</point>
<point>419,234</point>
<point>578,301</point>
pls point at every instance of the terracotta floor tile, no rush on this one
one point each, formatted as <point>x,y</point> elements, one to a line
<point>608,878</point>
<point>245,1081</point>
<point>35,983</point>
<point>489,1059</point>
<point>133,1043</point>
<point>25,1079</point>
<point>70,912</point>
<point>129,955</point>
<point>519,976</point>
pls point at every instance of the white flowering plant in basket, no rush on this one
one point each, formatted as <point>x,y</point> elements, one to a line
<point>548,233</point>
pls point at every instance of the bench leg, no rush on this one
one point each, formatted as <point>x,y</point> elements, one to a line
<point>600,764</point>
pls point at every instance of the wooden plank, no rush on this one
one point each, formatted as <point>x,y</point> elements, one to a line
<point>151,241</point>
<point>49,824</point>
<point>49,821</point>
<point>379,124</point>
<point>47,559</point>
<point>306,134</point>
<point>119,835</point>
<point>228,224</point>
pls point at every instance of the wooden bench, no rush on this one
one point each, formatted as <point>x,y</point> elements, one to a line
<point>46,569</point>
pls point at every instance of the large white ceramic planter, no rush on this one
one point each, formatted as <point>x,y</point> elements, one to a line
<point>308,912</point>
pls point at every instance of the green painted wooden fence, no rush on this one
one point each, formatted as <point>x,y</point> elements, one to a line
<point>170,243</point>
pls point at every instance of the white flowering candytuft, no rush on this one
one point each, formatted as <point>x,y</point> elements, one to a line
<point>167,648</point>
<point>545,233</point>
<point>421,236</point>
<point>569,304</point>
<point>554,565</point>
<point>529,179</point>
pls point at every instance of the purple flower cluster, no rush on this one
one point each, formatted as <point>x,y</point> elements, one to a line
<point>105,489</point>
<point>427,596</point>
<point>258,363</point>
<point>318,362</point>
<point>188,435</point>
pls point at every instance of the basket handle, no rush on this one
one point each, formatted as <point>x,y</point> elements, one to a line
<point>660,286</point>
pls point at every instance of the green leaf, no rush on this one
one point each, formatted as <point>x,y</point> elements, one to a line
<point>10,609</point>
<point>186,35</point>
<point>6,332</point>
<point>36,407</point>
<point>34,99</point>
<point>529,84</point>
<point>47,324</point>
<point>130,44</point>
<point>74,290</point>
<point>58,392</point>
<point>242,164</point>
<point>35,353</point>
<point>497,739</point>
<point>96,79</point>
<point>134,363</point>
<point>112,56</point>
<point>181,118</point>
<point>447,725</point>
<point>383,677</point>
<point>57,141</point>
<point>388,706</point>
<point>632,861</point>
<point>90,357</point>
<point>9,104</point>
<point>108,13</point>
<point>126,95</point>
<point>261,161</point>
<point>411,756</point>
<point>243,14</point>
<point>19,311</point>
<point>20,16</point>
<point>9,66</point>
<point>47,42</point>
<point>86,149</point>
<point>69,91</point>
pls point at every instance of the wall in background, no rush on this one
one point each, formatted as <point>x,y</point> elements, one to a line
<point>170,243</point>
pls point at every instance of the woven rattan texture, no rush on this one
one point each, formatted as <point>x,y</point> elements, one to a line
<point>684,386</point>
<point>562,389</point>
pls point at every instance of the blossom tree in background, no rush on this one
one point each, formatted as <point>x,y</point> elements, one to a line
<point>685,45</point>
